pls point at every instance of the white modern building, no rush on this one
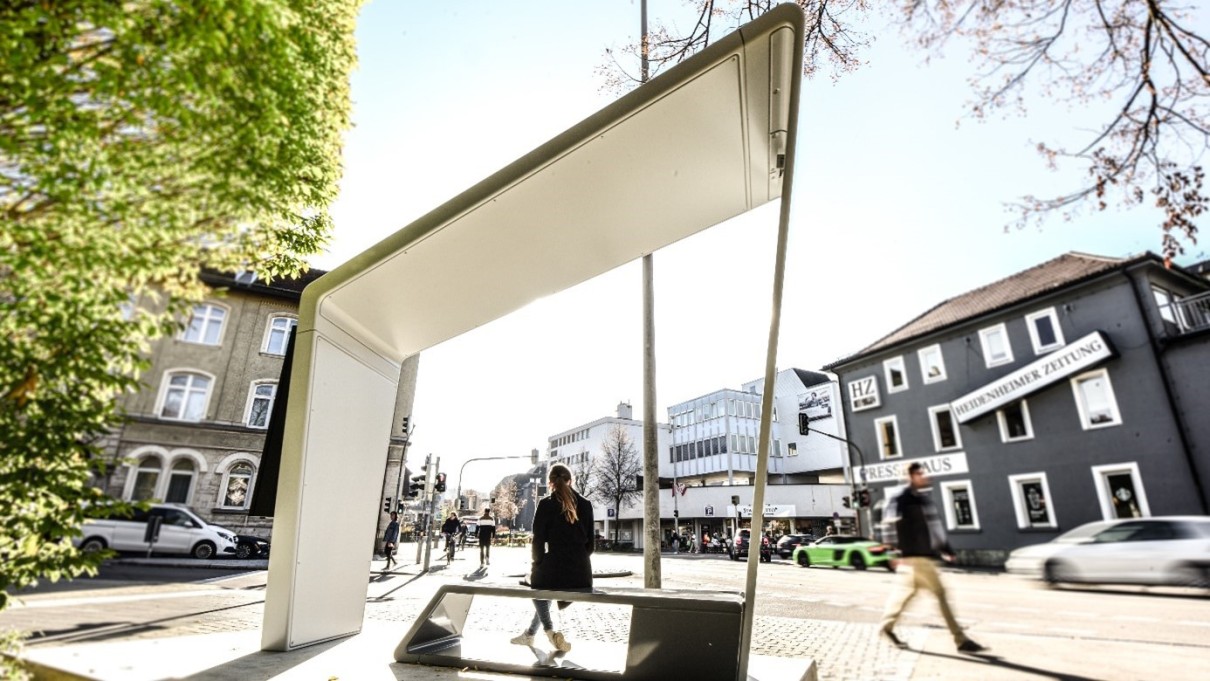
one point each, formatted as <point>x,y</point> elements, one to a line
<point>578,447</point>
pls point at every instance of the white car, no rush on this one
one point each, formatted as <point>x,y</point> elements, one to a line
<point>181,531</point>
<point>1029,560</point>
<point>1171,550</point>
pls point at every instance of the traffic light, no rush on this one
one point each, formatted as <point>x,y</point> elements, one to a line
<point>846,503</point>
<point>439,487</point>
<point>804,424</point>
<point>676,514</point>
<point>864,497</point>
<point>386,505</point>
<point>417,486</point>
<point>405,423</point>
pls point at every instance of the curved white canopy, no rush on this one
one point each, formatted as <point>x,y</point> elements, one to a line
<point>704,142</point>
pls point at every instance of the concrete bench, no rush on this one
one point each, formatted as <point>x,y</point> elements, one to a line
<point>671,635</point>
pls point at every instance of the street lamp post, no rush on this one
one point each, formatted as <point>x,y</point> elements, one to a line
<point>533,457</point>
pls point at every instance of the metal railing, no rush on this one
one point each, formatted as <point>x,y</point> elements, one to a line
<point>1190,314</point>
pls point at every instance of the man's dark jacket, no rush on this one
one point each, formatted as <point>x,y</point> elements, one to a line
<point>913,526</point>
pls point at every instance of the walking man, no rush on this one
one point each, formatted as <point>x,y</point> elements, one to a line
<point>389,539</point>
<point>487,530</point>
<point>911,524</point>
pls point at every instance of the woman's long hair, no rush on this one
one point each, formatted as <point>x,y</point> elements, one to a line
<point>560,491</point>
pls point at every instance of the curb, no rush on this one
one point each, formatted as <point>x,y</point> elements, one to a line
<point>262,564</point>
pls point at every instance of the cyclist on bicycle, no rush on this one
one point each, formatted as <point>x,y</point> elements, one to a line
<point>450,528</point>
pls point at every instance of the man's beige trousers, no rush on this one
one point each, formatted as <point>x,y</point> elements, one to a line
<point>915,574</point>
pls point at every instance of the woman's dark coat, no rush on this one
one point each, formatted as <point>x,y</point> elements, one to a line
<point>561,549</point>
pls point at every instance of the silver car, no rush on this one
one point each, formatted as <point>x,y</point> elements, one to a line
<point>1171,550</point>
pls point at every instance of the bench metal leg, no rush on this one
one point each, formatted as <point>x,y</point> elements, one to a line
<point>441,627</point>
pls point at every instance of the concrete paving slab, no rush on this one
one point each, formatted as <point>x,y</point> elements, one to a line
<point>236,656</point>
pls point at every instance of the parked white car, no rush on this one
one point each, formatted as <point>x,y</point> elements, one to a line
<point>1168,550</point>
<point>181,531</point>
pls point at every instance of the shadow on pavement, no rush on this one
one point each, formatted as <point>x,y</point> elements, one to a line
<point>387,595</point>
<point>107,631</point>
<point>997,661</point>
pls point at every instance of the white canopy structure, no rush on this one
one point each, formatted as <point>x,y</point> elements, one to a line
<point>701,143</point>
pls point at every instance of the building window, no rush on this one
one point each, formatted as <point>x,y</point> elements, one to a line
<point>896,374</point>
<point>277,334</point>
<point>237,485</point>
<point>146,479</point>
<point>180,482</point>
<point>863,394</point>
<point>1015,425</point>
<point>1044,331</point>
<point>960,511</point>
<point>1164,300</point>
<point>1120,491</point>
<point>260,404</point>
<point>945,428</point>
<point>185,396</point>
<point>205,325</point>
<point>996,349</point>
<point>887,429</point>
<point>792,449</point>
<point>932,364</point>
<point>1095,400</point>
<point>1031,500</point>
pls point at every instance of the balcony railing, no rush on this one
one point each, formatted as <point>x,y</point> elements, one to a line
<point>1190,314</point>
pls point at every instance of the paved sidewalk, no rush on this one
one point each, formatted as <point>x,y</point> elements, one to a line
<point>211,630</point>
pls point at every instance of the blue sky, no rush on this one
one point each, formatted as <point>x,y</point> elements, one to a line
<point>896,207</point>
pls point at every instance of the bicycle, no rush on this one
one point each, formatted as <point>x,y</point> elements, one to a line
<point>449,549</point>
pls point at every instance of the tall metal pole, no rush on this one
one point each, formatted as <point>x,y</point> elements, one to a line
<point>422,522</point>
<point>784,120</point>
<point>651,470</point>
<point>431,498</point>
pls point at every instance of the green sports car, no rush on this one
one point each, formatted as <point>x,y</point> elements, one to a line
<point>838,550</point>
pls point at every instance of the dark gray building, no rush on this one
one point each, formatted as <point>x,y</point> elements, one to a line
<point>1073,391</point>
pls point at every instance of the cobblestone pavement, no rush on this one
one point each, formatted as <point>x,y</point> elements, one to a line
<point>841,650</point>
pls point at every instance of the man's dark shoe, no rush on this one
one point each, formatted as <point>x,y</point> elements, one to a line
<point>969,646</point>
<point>895,640</point>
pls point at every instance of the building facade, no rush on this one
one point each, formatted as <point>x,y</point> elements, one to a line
<point>195,433</point>
<point>1073,391</point>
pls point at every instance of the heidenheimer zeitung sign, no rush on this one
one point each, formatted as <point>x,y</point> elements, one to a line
<point>1061,363</point>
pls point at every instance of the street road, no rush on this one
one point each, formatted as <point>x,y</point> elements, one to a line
<point>983,601</point>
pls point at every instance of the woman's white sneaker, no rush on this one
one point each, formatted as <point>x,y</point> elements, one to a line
<point>558,641</point>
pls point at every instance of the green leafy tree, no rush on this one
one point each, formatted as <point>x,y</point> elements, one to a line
<point>140,142</point>
<point>1134,73</point>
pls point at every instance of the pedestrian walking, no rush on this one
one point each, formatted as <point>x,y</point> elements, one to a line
<point>487,530</point>
<point>389,539</point>
<point>561,552</point>
<point>912,526</point>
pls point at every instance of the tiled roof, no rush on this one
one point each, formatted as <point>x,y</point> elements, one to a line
<point>1062,271</point>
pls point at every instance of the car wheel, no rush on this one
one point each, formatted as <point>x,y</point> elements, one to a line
<point>203,550</point>
<point>889,565</point>
<point>857,561</point>
<point>92,545</point>
<point>1192,575</point>
<point>243,552</point>
<point>803,559</point>
<point>1055,572</point>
